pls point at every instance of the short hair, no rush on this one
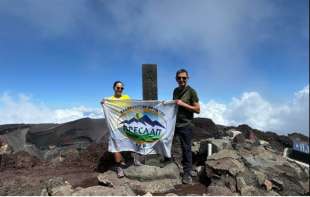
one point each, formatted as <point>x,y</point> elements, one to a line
<point>116,82</point>
<point>181,71</point>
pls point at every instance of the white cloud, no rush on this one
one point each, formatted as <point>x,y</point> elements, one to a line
<point>24,110</point>
<point>252,109</point>
<point>215,111</point>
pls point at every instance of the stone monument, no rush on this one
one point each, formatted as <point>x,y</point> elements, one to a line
<point>149,81</point>
<point>149,91</point>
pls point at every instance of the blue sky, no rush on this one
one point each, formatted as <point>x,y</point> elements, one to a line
<point>66,54</point>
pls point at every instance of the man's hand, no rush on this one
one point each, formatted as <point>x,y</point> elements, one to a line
<point>194,108</point>
<point>179,102</point>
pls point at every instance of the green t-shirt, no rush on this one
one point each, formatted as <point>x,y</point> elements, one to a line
<point>189,96</point>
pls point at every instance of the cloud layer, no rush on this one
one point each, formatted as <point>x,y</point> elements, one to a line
<point>250,108</point>
<point>23,110</point>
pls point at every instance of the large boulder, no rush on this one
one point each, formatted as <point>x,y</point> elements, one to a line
<point>225,153</point>
<point>200,148</point>
<point>144,179</point>
<point>63,190</point>
<point>226,165</point>
<point>155,186</point>
<point>57,186</point>
<point>145,172</point>
<point>223,162</point>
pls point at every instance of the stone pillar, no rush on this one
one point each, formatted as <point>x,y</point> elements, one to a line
<point>149,81</point>
<point>149,91</point>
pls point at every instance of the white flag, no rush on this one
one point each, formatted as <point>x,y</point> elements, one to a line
<point>145,127</point>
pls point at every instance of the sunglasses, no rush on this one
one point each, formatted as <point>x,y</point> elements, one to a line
<point>179,78</point>
<point>119,88</point>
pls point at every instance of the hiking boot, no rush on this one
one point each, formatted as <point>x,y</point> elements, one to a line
<point>187,179</point>
<point>120,172</point>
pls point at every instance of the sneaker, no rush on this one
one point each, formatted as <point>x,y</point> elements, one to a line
<point>187,179</point>
<point>120,172</point>
<point>136,162</point>
<point>193,173</point>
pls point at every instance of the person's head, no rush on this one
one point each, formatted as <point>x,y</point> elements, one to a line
<point>118,88</point>
<point>182,76</point>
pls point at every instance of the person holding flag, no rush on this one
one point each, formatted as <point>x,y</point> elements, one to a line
<point>187,100</point>
<point>118,88</point>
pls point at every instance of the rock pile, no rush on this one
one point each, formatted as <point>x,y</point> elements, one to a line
<point>251,168</point>
<point>138,180</point>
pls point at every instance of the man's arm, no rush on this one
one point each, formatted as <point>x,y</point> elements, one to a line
<point>194,108</point>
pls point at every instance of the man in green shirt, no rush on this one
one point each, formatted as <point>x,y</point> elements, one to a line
<point>188,102</point>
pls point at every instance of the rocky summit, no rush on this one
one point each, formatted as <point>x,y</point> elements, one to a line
<point>72,159</point>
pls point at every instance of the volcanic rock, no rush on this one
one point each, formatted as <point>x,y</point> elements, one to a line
<point>240,164</point>
<point>64,190</point>
<point>220,144</point>
<point>105,191</point>
<point>205,128</point>
<point>228,164</point>
<point>70,154</point>
<point>155,186</point>
<point>79,133</point>
<point>258,171</point>
<point>19,160</point>
<point>260,177</point>
<point>25,160</point>
<point>146,172</point>
<point>219,191</point>
<point>225,153</point>
<point>143,179</point>
<point>232,133</point>
<point>268,185</point>
<point>52,183</point>
<point>277,142</point>
<point>104,181</point>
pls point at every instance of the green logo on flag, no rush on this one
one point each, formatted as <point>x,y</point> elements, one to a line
<point>142,124</point>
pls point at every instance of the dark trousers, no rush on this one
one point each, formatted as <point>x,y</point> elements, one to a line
<point>185,136</point>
